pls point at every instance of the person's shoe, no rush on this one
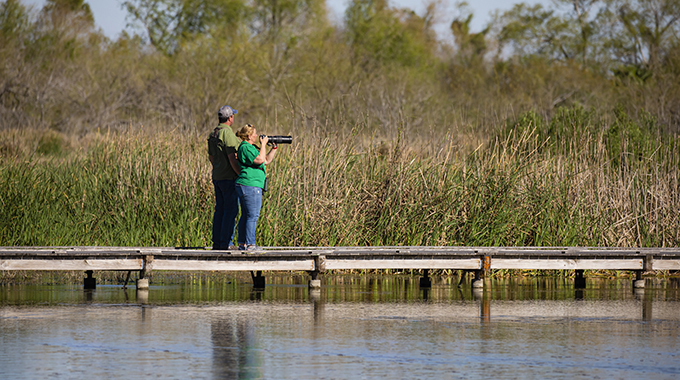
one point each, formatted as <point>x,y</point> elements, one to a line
<point>233,248</point>
<point>249,247</point>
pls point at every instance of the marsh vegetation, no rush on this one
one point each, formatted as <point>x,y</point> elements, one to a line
<point>554,126</point>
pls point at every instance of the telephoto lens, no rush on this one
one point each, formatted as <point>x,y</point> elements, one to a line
<point>280,139</point>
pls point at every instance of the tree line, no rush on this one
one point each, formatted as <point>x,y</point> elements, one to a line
<point>383,70</point>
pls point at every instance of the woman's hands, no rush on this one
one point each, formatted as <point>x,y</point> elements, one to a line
<point>264,157</point>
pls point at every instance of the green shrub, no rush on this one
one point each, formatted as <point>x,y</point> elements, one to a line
<point>629,138</point>
<point>51,144</point>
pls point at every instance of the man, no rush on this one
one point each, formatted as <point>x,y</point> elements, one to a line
<point>222,147</point>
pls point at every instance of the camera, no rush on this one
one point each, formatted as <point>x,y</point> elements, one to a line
<point>279,139</point>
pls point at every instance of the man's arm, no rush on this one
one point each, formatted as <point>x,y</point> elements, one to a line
<point>234,162</point>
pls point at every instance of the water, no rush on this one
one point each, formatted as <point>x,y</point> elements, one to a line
<point>354,327</point>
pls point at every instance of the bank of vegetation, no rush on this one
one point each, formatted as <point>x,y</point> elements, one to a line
<point>552,127</point>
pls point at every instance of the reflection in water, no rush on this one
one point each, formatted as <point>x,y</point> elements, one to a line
<point>484,304</point>
<point>142,296</point>
<point>236,354</point>
<point>354,326</point>
<point>317,306</point>
<point>579,294</point>
<point>646,299</point>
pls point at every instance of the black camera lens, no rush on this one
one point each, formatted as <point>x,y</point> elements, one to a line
<point>279,139</point>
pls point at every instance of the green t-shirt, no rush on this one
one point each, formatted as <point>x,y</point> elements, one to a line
<point>251,174</point>
<point>222,141</point>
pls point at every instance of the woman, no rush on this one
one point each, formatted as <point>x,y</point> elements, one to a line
<point>250,182</point>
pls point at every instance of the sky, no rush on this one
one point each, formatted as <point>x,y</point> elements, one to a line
<point>110,17</point>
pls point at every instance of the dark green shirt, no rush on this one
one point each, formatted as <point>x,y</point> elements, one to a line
<point>251,173</point>
<point>222,141</point>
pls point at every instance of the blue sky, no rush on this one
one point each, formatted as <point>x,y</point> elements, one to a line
<point>109,15</point>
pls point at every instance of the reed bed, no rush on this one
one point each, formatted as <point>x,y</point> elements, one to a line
<point>568,181</point>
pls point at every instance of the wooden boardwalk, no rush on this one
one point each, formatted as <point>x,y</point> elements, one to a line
<point>317,260</point>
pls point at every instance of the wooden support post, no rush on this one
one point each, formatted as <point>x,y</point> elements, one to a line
<point>462,273</point>
<point>639,282</point>
<point>425,281</point>
<point>319,266</point>
<point>143,282</point>
<point>579,280</point>
<point>127,278</point>
<point>480,274</point>
<point>258,280</point>
<point>648,263</point>
<point>478,282</point>
<point>90,282</point>
<point>314,283</point>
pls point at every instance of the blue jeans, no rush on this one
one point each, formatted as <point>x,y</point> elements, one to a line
<point>251,203</point>
<point>226,210</point>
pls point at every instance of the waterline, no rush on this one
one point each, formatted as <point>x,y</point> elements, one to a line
<point>369,327</point>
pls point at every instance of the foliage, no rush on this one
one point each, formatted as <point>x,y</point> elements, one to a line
<point>552,125</point>
<point>470,47</point>
<point>191,56</point>
<point>534,30</point>
<point>170,23</point>
<point>380,34</point>
<point>648,28</point>
<point>636,136</point>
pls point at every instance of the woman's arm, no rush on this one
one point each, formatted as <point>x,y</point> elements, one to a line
<point>270,156</point>
<point>262,157</point>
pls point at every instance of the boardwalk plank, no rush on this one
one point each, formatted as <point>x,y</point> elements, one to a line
<point>89,264</point>
<point>666,265</point>
<point>241,265</point>
<point>565,264</point>
<point>345,264</point>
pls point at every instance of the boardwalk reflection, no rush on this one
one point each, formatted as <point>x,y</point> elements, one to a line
<point>512,298</point>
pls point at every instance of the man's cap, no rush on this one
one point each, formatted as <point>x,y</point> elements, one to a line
<point>226,112</point>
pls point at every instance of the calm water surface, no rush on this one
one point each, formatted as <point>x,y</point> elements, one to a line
<point>354,327</point>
